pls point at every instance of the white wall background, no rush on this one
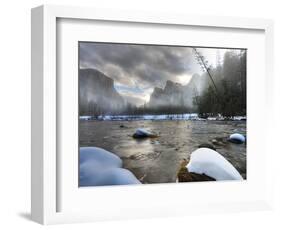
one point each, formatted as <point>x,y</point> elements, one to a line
<point>15,113</point>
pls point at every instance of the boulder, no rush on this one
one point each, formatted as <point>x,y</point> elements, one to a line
<point>99,167</point>
<point>237,138</point>
<point>205,161</point>
<point>101,156</point>
<point>143,133</point>
<point>184,175</point>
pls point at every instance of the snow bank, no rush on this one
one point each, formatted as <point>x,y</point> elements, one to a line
<point>186,116</point>
<point>85,118</point>
<point>101,167</point>
<point>237,138</point>
<point>239,118</point>
<point>211,163</point>
<point>212,118</point>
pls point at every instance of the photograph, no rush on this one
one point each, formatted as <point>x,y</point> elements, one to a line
<point>153,113</point>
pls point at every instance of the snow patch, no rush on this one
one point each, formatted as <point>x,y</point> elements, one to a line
<point>186,116</point>
<point>86,118</point>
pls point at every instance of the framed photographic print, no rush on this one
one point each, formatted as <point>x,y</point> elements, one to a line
<point>158,105</point>
<point>129,107</point>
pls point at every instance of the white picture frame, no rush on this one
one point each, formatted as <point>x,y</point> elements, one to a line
<point>46,182</point>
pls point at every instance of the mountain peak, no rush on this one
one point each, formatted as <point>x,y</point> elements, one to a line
<point>172,87</point>
<point>157,90</point>
<point>97,93</point>
<point>91,72</point>
<point>175,94</point>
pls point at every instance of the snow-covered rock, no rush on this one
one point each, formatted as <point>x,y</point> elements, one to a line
<point>237,138</point>
<point>211,163</point>
<point>103,157</point>
<point>142,133</point>
<point>101,167</point>
<point>109,176</point>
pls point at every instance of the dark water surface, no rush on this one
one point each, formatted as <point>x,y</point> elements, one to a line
<point>157,160</point>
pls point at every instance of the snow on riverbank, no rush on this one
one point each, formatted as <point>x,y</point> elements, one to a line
<point>186,116</point>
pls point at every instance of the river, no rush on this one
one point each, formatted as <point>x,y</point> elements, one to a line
<point>157,160</point>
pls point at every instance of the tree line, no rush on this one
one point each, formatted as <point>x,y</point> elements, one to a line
<point>95,110</point>
<point>227,96</point>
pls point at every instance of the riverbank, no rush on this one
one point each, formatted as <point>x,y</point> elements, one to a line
<point>178,117</point>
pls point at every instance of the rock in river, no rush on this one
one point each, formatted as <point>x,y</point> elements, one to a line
<point>143,133</point>
<point>237,138</point>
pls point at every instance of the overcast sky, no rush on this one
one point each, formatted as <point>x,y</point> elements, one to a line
<point>137,69</point>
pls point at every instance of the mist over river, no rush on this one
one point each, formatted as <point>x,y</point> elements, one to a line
<point>156,160</point>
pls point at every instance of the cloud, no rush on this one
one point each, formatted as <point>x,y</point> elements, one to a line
<point>137,64</point>
<point>134,95</point>
<point>137,69</point>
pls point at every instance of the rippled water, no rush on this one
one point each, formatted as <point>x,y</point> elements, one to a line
<point>157,160</point>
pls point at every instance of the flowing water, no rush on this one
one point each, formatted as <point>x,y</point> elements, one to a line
<point>156,160</point>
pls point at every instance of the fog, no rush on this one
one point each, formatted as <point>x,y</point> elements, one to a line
<point>154,79</point>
